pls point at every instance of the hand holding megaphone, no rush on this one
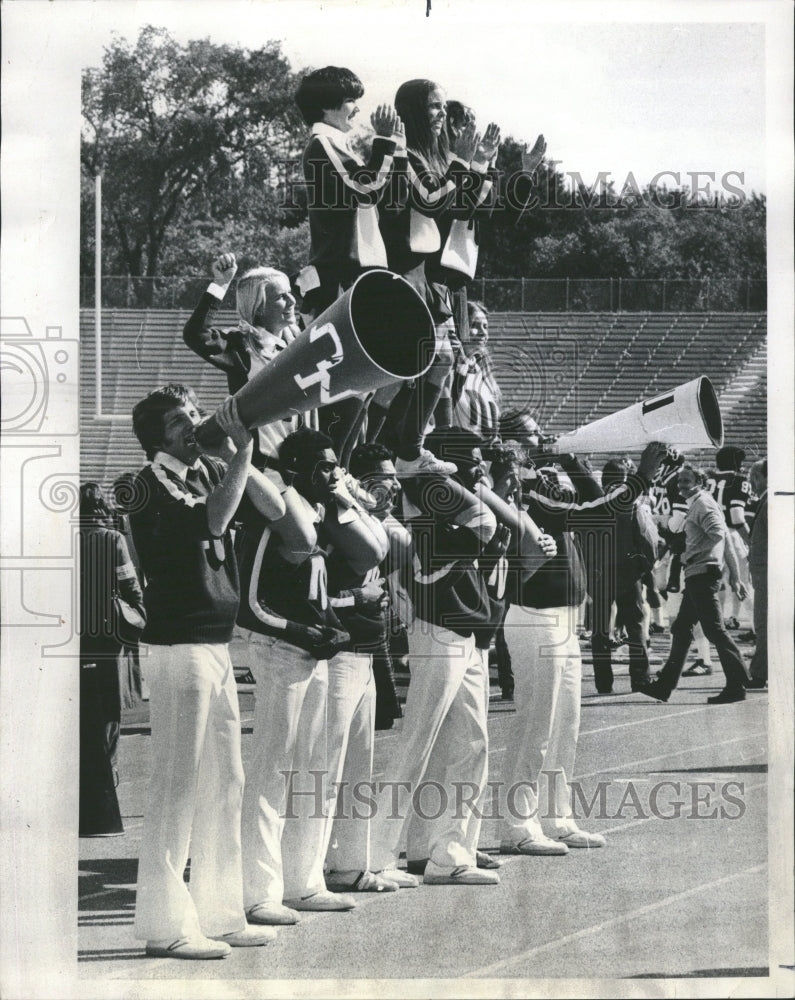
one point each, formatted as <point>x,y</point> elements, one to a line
<point>380,331</point>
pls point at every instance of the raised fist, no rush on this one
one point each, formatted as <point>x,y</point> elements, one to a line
<point>224,268</point>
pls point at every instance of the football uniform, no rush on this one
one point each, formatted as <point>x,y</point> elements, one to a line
<point>731,490</point>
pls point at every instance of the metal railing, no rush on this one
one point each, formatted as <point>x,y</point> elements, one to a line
<point>498,294</point>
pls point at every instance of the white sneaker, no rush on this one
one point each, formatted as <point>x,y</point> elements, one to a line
<point>534,845</point>
<point>579,838</point>
<point>249,937</point>
<point>272,913</point>
<point>460,875</point>
<point>197,948</point>
<point>425,464</point>
<point>323,901</point>
<point>395,875</point>
<point>354,881</point>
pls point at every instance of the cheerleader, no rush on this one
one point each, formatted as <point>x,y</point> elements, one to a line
<point>444,184</point>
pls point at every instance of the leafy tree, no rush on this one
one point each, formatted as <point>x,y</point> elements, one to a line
<point>190,140</point>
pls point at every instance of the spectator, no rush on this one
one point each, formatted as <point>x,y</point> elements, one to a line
<point>132,682</point>
<point>618,552</point>
<point>107,577</point>
<point>732,490</point>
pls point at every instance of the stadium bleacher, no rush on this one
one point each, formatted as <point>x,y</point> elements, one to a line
<point>566,369</point>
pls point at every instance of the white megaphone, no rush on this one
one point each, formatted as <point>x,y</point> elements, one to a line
<point>685,417</point>
<point>379,331</point>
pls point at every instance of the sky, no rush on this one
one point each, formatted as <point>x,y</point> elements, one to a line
<point>649,88</point>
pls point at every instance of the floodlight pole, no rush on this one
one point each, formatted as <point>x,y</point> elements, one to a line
<point>98,293</point>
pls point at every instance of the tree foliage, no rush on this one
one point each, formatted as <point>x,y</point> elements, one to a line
<point>191,142</point>
<point>569,231</point>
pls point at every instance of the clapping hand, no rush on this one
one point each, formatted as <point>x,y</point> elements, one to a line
<point>466,142</point>
<point>489,142</point>
<point>531,158</point>
<point>385,120</point>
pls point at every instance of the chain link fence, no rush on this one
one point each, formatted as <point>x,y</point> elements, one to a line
<point>498,294</point>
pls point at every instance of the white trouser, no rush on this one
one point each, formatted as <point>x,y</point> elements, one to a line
<point>351,733</point>
<point>545,654</point>
<point>283,818</point>
<point>444,736</point>
<point>194,800</point>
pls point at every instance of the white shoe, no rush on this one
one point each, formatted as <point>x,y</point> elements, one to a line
<point>458,875</point>
<point>249,937</point>
<point>323,900</point>
<point>533,845</point>
<point>197,947</point>
<point>354,881</point>
<point>395,875</point>
<point>425,464</point>
<point>272,913</point>
<point>579,838</point>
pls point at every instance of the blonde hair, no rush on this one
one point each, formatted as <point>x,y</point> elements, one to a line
<point>251,295</point>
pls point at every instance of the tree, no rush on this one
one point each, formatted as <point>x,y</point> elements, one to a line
<point>187,139</point>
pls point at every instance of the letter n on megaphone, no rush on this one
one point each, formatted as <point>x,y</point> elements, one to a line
<point>685,417</point>
<point>379,331</point>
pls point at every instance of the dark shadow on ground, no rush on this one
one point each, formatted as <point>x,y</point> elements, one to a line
<point>736,769</point>
<point>705,974</point>
<point>109,954</point>
<point>103,884</point>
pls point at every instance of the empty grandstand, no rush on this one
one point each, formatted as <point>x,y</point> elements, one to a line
<point>567,369</point>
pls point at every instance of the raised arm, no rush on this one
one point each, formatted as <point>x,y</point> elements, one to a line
<point>236,450</point>
<point>359,537</point>
<point>199,333</point>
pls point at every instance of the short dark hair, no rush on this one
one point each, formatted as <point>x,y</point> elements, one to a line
<point>94,507</point>
<point>325,89</point>
<point>302,443</point>
<point>454,444</point>
<point>729,458</point>
<point>365,457</point>
<point>149,412</point>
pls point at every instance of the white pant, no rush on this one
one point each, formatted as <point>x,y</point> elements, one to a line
<point>444,739</point>
<point>542,743</point>
<point>351,733</point>
<point>283,818</point>
<point>194,798</point>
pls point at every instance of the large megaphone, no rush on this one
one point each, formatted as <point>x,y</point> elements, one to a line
<point>378,332</point>
<point>685,417</point>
